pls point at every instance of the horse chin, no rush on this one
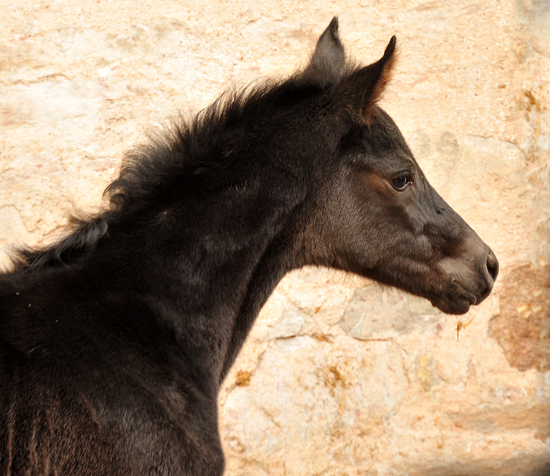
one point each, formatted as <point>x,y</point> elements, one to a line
<point>454,306</point>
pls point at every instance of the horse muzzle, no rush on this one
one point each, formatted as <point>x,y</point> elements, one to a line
<point>469,279</point>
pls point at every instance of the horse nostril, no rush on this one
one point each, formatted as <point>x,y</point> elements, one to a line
<point>492,265</point>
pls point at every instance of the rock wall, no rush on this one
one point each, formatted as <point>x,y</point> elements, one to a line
<point>339,376</point>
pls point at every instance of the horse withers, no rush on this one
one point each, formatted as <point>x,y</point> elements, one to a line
<point>114,341</point>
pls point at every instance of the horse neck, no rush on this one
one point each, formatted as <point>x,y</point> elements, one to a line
<point>209,277</point>
<point>274,263</point>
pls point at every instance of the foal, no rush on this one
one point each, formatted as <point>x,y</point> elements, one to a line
<point>115,340</point>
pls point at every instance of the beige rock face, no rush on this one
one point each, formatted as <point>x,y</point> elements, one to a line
<point>339,376</point>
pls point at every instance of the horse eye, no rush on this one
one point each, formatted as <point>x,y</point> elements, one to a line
<point>402,182</point>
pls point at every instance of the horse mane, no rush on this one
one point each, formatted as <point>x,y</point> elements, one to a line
<point>187,148</point>
<point>81,239</point>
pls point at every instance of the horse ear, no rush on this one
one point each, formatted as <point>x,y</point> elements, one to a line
<point>328,62</point>
<point>361,91</point>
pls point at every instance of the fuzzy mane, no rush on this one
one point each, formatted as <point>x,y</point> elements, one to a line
<point>190,147</point>
<point>187,148</point>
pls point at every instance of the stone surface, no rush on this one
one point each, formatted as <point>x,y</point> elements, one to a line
<point>523,326</point>
<point>378,313</point>
<point>339,376</point>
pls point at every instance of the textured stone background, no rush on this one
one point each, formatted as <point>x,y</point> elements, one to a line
<point>339,376</point>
